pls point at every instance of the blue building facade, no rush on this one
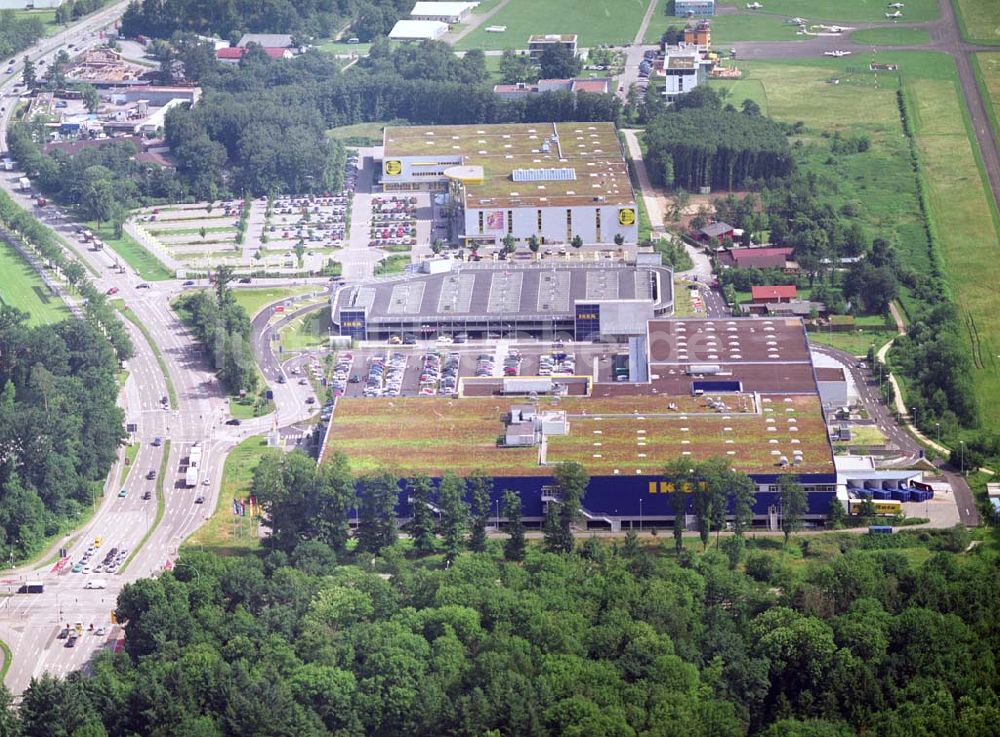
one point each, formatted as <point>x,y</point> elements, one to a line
<point>624,498</point>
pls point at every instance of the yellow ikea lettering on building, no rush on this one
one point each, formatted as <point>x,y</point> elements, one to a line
<point>667,487</point>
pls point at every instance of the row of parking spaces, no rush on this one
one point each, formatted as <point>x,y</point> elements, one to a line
<point>437,371</point>
<point>341,373</point>
<point>393,222</point>
<point>385,375</point>
<point>559,363</point>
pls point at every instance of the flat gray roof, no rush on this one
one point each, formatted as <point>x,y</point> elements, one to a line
<point>499,291</point>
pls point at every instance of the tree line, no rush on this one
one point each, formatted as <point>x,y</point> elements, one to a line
<point>18,32</point>
<point>221,324</point>
<point>303,502</point>
<point>850,636</point>
<point>59,425</point>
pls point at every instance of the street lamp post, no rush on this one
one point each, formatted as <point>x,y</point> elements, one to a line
<point>640,514</point>
<point>961,444</point>
<point>937,426</point>
<point>913,413</point>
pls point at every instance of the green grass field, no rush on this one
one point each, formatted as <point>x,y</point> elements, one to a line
<point>750,26</point>
<point>48,17</point>
<point>980,20</point>
<point>24,289</point>
<point>892,36</point>
<point>844,11</point>
<point>255,299</point>
<point>309,331</point>
<point>855,342</point>
<point>988,72</point>
<point>225,533</point>
<point>145,263</point>
<point>372,132</point>
<point>964,220</point>
<point>392,264</point>
<point>594,21</point>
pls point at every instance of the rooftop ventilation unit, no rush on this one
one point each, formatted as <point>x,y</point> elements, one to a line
<point>544,175</point>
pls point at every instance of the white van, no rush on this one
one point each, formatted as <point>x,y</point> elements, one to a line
<point>96,583</point>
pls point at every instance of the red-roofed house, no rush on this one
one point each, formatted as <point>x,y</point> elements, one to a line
<point>773,293</point>
<point>759,258</point>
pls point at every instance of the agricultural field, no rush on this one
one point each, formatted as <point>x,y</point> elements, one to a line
<point>420,432</point>
<point>23,288</point>
<point>980,20</point>
<point>892,36</point>
<point>844,11</point>
<point>594,21</point>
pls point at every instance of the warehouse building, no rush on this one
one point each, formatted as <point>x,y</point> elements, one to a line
<point>553,181</point>
<point>418,30</point>
<point>741,389</point>
<point>445,12</point>
<point>568,301</point>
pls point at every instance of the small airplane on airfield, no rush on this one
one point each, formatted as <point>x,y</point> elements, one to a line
<point>838,53</point>
<point>896,5</point>
<point>754,6</point>
<point>796,21</point>
<point>897,14</point>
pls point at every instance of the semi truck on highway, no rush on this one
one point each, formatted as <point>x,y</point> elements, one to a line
<point>191,477</point>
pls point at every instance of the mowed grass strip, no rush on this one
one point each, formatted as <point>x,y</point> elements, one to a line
<point>843,11</point>
<point>964,221</point>
<point>594,21</point>
<point>988,65</point>
<point>892,36</point>
<point>980,20</point>
<point>23,288</point>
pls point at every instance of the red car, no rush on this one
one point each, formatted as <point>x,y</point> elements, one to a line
<point>113,290</point>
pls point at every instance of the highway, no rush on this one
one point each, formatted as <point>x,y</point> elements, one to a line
<point>29,623</point>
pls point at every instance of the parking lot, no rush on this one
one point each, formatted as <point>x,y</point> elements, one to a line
<point>206,234</point>
<point>433,369</point>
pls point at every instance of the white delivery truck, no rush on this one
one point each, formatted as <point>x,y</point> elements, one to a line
<point>24,184</point>
<point>96,583</point>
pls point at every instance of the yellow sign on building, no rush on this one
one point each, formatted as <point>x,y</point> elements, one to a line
<point>393,168</point>
<point>626,216</point>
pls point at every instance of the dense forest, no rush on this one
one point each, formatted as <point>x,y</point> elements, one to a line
<point>832,637</point>
<point>712,146</point>
<point>223,327</point>
<point>59,425</point>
